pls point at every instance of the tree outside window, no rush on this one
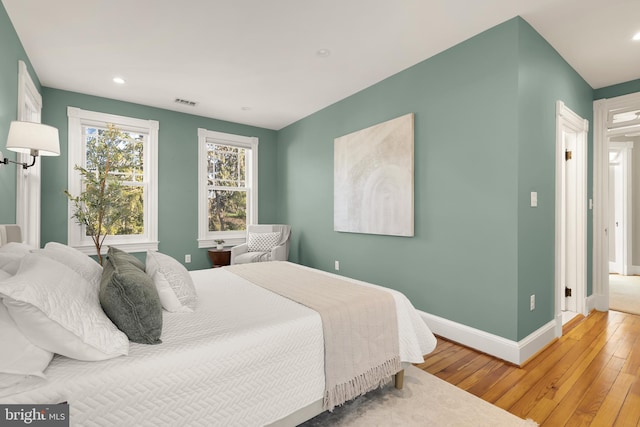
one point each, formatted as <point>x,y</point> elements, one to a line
<point>112,197</point>
<point>130,182</point>
<point>127,169</point>
<point>227,187</point>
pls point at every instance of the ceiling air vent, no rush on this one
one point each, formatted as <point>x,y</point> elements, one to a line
<point>185,102</point>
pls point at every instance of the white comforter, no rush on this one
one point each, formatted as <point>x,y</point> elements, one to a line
<point>245,357</point>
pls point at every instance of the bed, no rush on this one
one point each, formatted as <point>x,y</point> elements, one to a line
<point>244,356</point>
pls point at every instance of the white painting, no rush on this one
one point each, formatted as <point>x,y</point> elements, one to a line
<point>373,179</point>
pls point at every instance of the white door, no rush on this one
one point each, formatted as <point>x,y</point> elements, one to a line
<point>571,214</point>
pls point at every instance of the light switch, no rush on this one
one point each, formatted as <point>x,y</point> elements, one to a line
<point>534,199</point>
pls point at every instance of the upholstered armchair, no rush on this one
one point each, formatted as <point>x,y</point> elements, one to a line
<point>10,233</point>
<point>264,243</point>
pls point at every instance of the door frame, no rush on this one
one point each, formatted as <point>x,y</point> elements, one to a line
<point>566,119</point>
<point>601,109</point>
<point>28,181</point>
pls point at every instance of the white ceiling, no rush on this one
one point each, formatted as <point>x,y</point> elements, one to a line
<point>255,62</point>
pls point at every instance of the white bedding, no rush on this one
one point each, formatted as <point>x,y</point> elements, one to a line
<point>246,356</point>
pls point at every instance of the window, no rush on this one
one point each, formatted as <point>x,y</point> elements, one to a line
<point>227,187</point>
<point>136,172</point>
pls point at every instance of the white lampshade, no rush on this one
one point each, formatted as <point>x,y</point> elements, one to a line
<point>33,138</point>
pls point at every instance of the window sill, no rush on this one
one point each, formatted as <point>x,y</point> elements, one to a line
<point>210,243</point>
<point>127,247</point>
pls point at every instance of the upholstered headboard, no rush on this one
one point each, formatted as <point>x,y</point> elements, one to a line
<point>10,233</point>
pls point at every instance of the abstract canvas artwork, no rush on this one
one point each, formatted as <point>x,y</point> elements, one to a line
<point>373,179</point>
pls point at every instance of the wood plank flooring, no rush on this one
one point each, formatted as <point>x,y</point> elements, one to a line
<point>589,376</point>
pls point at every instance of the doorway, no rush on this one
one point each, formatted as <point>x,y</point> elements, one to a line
<point>571,214</point>
<point>616,132</point>
<point>620,203</point>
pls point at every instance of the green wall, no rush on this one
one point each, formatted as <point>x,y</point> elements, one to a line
<point>543,78</point>
<point>177,170</point>
<point>626,88</point>
<point>11,51</point>
<point>484,139</point>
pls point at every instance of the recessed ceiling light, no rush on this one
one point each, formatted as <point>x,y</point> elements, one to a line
<point>636,37</point>
<point>245,108</point>
<point>118,80</point>
<point>323,53</point>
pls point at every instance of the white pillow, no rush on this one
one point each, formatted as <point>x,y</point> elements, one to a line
<point>20,360</point>
<point>173,282</point>
<point>10,262</point>
<point>57,310</point>
<point>11,254</point>
<point>16,248</point>
<point>81,263</point>
<point>262,242</point>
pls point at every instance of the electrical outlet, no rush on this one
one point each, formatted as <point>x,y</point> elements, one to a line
<point>532,303</point>
<point>337,265</point>
<point>187,258</point>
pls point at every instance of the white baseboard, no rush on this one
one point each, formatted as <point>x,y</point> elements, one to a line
<point>591,303</point>
<point>494,345</point>
<point>599,302</point>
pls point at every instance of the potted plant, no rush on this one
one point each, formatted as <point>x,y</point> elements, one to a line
<point>102,204</point>
<point>219,242</point>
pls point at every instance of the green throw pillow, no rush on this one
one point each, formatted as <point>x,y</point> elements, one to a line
<point>129,298</point>
<point>121,255</point>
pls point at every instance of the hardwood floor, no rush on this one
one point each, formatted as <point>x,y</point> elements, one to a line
<point>589,376</point>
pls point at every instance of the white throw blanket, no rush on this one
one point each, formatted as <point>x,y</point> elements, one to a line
<point>359,325</point>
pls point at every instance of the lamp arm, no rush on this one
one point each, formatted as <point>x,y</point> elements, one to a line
<point>24,165</point>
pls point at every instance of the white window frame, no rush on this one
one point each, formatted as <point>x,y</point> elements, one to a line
<point>206,238</point>
<point>77,151</point>
<point>28,186</point>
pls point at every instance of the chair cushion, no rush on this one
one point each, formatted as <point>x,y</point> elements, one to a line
<point>248,257</point>
<point>262,242</point>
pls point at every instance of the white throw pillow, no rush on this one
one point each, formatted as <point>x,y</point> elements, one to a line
<point>11,255</point>
<point>16,248</point>
<point>75,260</point>
<point>173,282</point>
<point>262,242</point>
<point>57,310</point>
<point>20,360</point>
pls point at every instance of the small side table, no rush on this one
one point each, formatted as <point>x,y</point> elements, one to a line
<point>220,257</point>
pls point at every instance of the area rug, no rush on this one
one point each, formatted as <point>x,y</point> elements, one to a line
<point>425,400</point>
<point>624,293</point>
